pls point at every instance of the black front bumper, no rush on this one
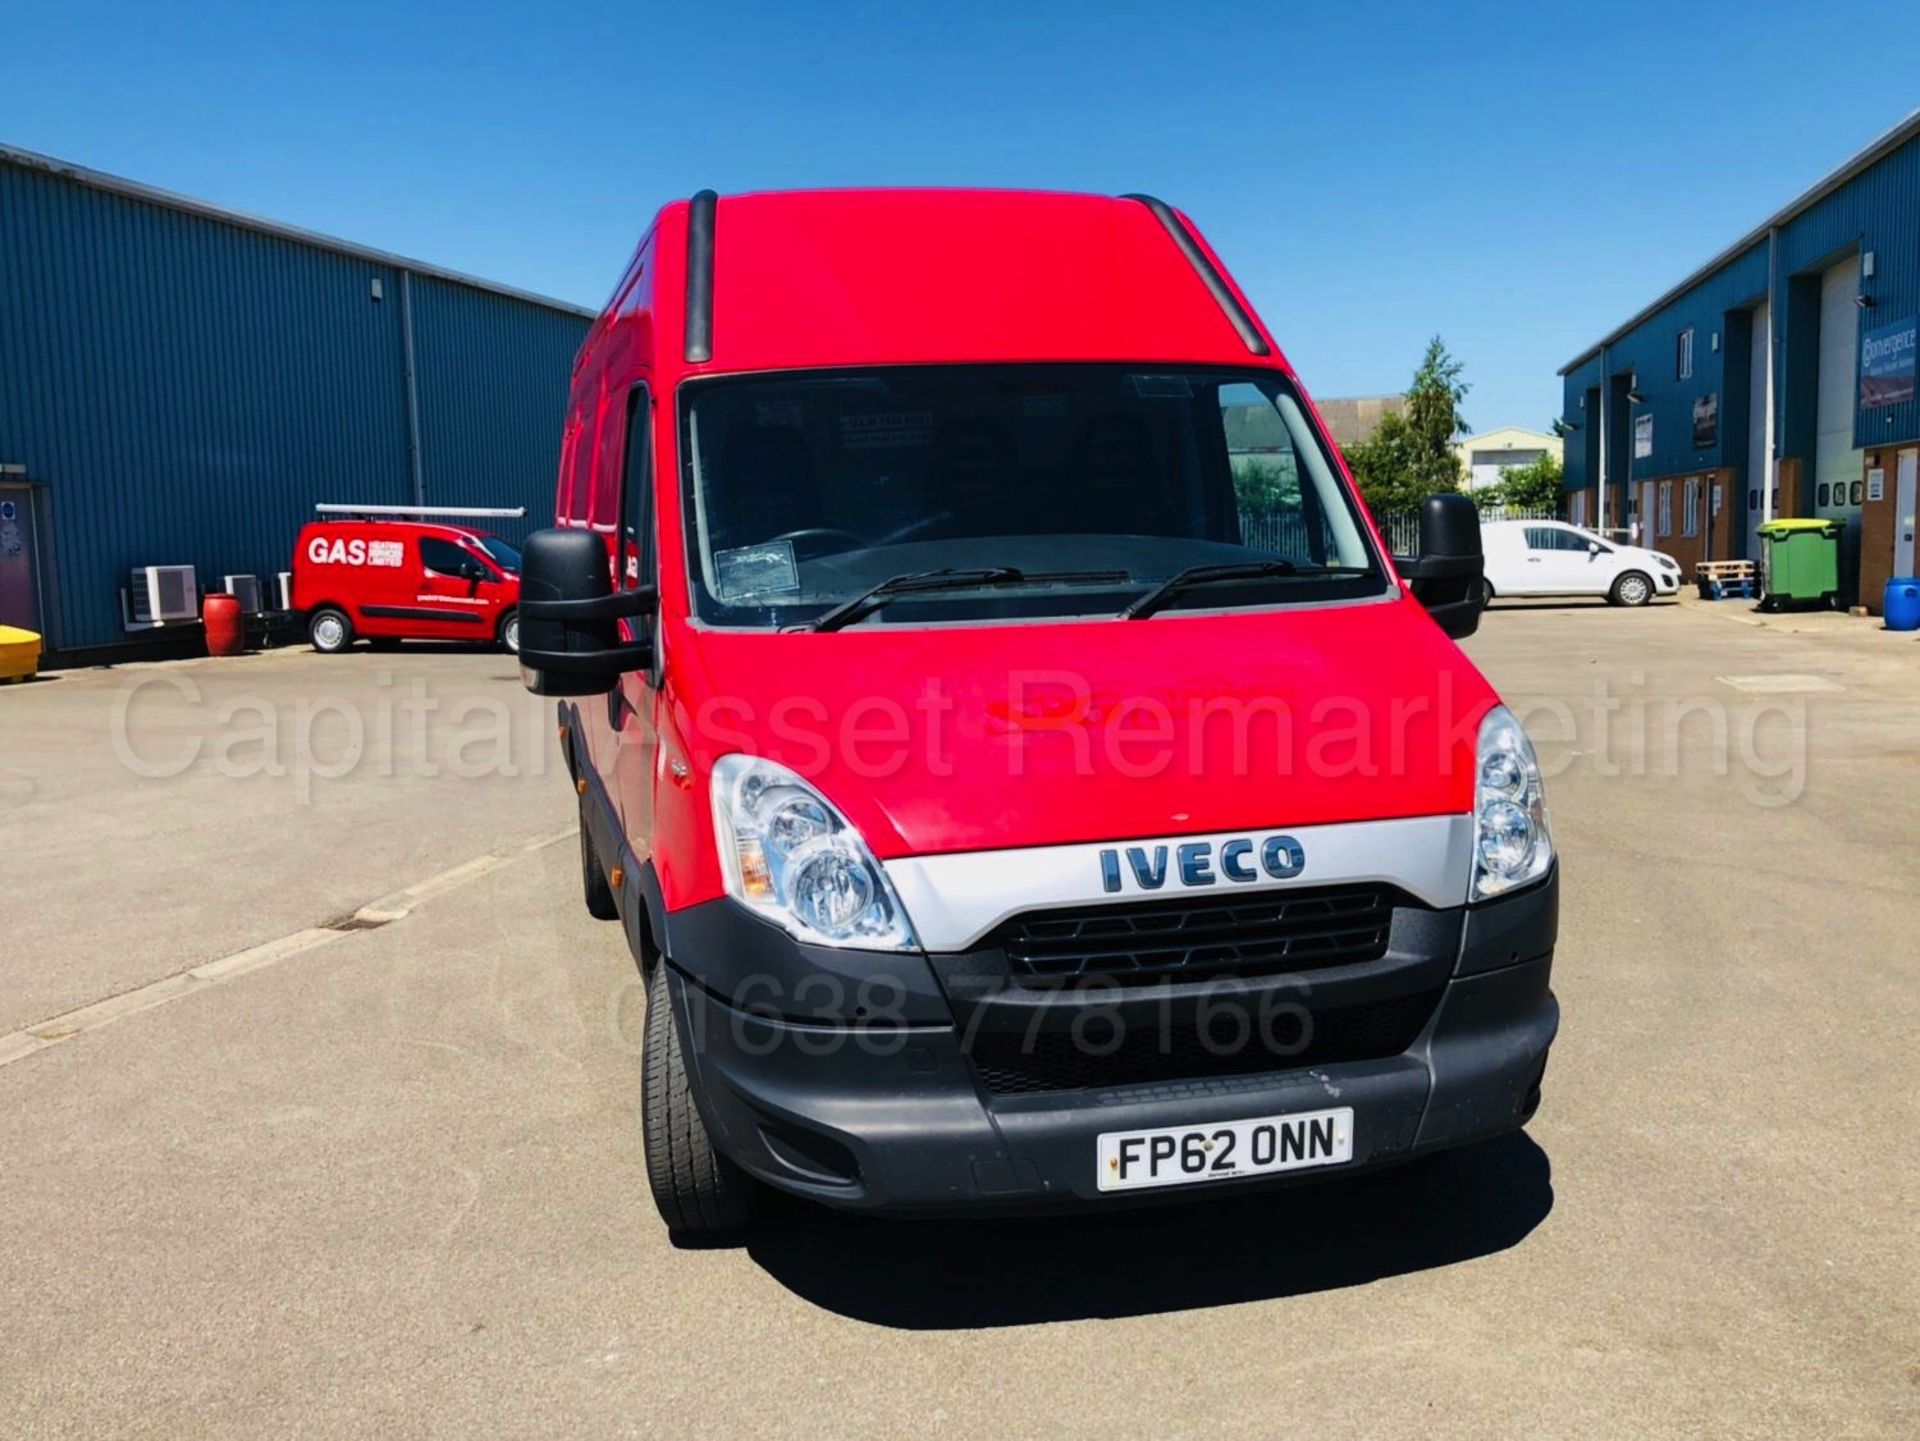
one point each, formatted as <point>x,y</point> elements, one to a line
<point>869,1091</point>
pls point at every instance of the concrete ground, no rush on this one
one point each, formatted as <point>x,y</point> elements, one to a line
<point>388,1182</point>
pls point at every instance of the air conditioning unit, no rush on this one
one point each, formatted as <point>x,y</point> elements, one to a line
<point>245,589</point>
<point>283,589</point>
<point>163,593</point>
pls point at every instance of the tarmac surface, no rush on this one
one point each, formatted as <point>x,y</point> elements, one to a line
<point>266,1169</point>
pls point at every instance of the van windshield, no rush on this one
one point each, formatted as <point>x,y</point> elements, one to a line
<point>504,555</point>
<point>807,489</point>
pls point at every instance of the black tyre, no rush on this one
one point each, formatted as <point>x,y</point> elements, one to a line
<point>595,889</point>
<point>329,631</point>
<point>1631,587</point>
<point>509,634</point>
<point>700,1193</point>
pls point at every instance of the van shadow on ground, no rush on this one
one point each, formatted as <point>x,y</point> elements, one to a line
<point>931,1275</point>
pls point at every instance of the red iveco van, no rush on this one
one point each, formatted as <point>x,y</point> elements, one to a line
<point>393,573</point>
<point>1021,773</point>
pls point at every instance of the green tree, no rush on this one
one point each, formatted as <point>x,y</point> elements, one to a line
<point>1410,455</point>
<point>1533,487</point>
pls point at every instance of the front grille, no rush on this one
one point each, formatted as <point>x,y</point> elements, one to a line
<point>1202,938</point>
<point>1235,1043</point>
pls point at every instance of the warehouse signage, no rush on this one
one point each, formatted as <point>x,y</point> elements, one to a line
<point>1706,421</point>
<point>1886,364</point>
<point>1642,437</point>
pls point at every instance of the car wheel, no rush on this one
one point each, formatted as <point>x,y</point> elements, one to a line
<point>700,1193</point>
<point>595,889</point>
<point>329,631</point>
<point>1632,588</point>
<point>510,632</point>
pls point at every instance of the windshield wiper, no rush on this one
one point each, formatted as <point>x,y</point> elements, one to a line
<point>923,581</point>
<point>1198,575</point>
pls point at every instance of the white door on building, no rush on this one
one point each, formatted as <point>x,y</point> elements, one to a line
<point>1759,427</point>
<point>1837,481</point>
<point>1903,513</point>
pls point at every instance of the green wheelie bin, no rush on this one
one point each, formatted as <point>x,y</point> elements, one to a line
<point>1802,563</point>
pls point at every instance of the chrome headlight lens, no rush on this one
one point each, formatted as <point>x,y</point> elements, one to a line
<point>1511,843</point>
<point>790,856</point>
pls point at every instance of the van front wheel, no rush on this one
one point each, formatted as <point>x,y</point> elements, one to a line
<point>510,632</point>
<point>329,631</point>
<point>701,1194</point>
<point>1632,588</point>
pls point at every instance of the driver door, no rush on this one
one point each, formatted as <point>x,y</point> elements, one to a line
<point>451,604</point>
<point>633,704</point>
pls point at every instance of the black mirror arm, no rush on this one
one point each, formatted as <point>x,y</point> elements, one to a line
<point>610,660</point>
<point>620,605</point>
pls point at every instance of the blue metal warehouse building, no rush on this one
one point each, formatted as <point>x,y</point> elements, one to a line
<point>180,384</point>
<point>1777,380</point>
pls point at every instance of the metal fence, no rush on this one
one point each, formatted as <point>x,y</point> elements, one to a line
<point>1287,534</point>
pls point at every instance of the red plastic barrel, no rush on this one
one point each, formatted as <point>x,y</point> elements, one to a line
<point>221,616</point>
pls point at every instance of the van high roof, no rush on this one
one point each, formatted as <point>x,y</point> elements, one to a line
<point>803,279</point>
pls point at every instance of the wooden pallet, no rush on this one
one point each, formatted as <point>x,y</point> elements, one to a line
<point>1723,570</point>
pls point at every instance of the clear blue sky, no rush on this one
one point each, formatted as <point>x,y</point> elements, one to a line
<point>1516,178</point>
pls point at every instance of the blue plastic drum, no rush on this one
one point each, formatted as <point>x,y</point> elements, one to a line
<point>1902,607</point>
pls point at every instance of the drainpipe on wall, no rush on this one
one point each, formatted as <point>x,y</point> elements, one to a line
<point>1606,434</point>
<point>1770,482</point>
<point>413,391</point>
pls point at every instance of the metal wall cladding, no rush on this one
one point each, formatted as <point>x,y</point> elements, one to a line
<point>492,384</point>
<point>185,389</point>
<point>1877,210</point>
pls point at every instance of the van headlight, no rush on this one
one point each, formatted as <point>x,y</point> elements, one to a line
<point>1511,843</point>
<point>788,855</point>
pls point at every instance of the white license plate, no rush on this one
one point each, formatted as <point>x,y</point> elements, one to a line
<point>1183,1155</point>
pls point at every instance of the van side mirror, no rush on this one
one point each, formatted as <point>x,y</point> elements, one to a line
<point>1448,577</point>
<point>569,612</point>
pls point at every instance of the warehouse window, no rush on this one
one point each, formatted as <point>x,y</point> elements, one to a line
<point>1690,515</point>
<point>1683,355</point>
<point>1666,507</point>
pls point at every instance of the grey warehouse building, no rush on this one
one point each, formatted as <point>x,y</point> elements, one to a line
<point>1776,380</point>
<point>180,384</point>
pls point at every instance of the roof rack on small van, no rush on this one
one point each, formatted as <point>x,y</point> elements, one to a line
<point>422,512</point>
<point>1210,277</point>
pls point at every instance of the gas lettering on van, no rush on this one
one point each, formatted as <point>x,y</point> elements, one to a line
<point>828,454</point>
<point>355,552</point>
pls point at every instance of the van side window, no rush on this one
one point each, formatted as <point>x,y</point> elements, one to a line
<point>636,490</point>
<point>1541,537</point>
<point>443,557</point>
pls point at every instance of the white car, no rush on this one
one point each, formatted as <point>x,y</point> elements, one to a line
<point>1548,557</point>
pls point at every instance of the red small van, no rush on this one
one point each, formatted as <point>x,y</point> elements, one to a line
<point>1022,774</point>
<point>389,575</point>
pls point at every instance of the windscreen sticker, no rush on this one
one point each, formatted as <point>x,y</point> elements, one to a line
<point>886,430</point>
<point>748,572</point>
